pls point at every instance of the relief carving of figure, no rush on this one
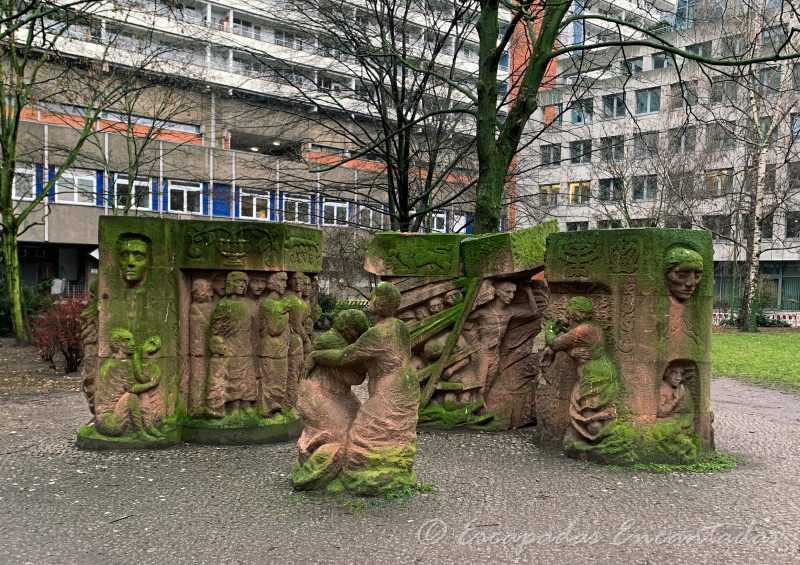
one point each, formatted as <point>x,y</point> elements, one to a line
<point>199,319</point>
<point>133,257</point>
<point>219,284</point>
<point>386,423</point>
<point>89,340</point>
<point>231,374</point>
<point>591,403</point>
<point>684,270</point>
<point>273,353</point>
<point>300,341</point>
<point>453,297</point>
<point>328,406</point>
<point>674,398</point>
<point>487,324</point>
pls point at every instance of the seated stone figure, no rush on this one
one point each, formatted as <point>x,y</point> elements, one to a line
<point>382,441</point>
<point>328,406</point>
<point>674,399</point>
<point>591,405</point>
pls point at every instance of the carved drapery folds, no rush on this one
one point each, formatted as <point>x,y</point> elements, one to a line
<point>191,336</point>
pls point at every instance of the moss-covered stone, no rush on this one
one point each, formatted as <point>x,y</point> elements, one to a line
<point>386,470</point>
<point>450,415</point>
<point>399,254</point>
<point>507,253</point>
<point>242,427</point>
<point>90,438</point>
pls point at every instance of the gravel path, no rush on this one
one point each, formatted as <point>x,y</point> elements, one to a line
<point>501,498</point>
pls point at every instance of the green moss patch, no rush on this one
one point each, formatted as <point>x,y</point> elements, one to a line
<point>449,415</point>
<point>90,438</point>
<point>387,470</point>
<point>506,253</point>
<point>250,418</point>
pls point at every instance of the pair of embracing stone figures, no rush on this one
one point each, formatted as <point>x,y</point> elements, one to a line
<point>365,448</point>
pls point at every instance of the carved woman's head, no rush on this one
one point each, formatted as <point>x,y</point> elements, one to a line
<point>133,257</point>
<point>684,269</point>
<point>384,300</point>
<point>236,283</point>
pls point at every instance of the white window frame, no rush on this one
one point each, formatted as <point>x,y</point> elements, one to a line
<point>72,196</point>
<point>254,197</point>
<point>648,185</point>
<point>336,205</point>
<point>648,94</point>
<point>374,218</point>
<point>185,187</point>
<point>295,200</point>
<point>438,222</point>
<point>118,179</point>
<point>24,170</point>
<point>617,106</point>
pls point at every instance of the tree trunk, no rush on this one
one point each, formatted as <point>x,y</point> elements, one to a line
<point>14,286</point>
<point>489,196</point>
<point>748,311</point>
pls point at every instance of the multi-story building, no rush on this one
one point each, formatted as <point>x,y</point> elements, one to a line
<point>639,137</point>
<point>233,130</point>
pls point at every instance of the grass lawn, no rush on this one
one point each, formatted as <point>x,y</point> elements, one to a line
<point>769,357</point>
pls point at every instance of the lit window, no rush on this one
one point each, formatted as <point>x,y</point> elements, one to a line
<point>23,187</point>
<point>135,195</point>
<point>719,182</point>
<point>76,186</point>
<point>579,193</point>
<point>296,209</point>
<point>185,197</point>
<point>334,213</point>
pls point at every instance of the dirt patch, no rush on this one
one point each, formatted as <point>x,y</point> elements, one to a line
<point>22,371</point>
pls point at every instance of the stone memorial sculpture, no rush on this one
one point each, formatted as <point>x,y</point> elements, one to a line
<point>89,340</point>
<point>625,376</point>
<point>189,339</point>
<point>472,308</point>
<point>328,407</point>
<point>381,442</point>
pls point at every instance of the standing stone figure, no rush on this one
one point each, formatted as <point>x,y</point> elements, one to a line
<point>231,379</point>
<point>382,439</point>
<point>199,319</point>
<point>591,403</point>
<point>328,406</point>
<point>674,399</point>
<point>89,337</point>
<point>148,377</point>
<point>300,341</point>
<point>684,269</point>
<point>273,352</point>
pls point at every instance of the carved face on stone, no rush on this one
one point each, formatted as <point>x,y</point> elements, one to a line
<point>133,257</point>
<point>579,308</point>
<point>122,342</point>
<point>297,283</point>
<point>236,283</point>
<point>684,271</point>
<point>151,346</point>
<point>453,297</point>
<point>277,282</point>
<point>257,285</point>
<point>218,283</point>
<point>384,300</point>
<point>677,374</point>
<point>202,291</point>
<point>504,291</point>
<point>436,304</point>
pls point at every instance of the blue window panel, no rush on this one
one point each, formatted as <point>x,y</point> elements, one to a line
<point>51,172</point>
<point>313,217</point>
<point>39,174</point>
<point>165,196</point>
<point>274,212</point>
<point>237,193</point>
<point>469,217</point>
<point>206,200</point>
<point>280,207</point>
<point>222,200</point>
<point>154,194</point>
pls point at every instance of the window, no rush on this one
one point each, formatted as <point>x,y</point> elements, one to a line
<point>774,38</point>
<point>610,189</point>
<point>721,135</point>
<point>683,94</point>
<point>334,213</point>
<point>503,63</point>
<point>793,175</point>
<point>642,223</point>
<point>766,227</point>
<point>288,39</point>
<point>683,139</point>
<point>324,83</point>
<point>255,206</point>
<point>700,49</point>
<point>633,65</point>
<point>551,155</point>
<point>369,218</point>
<point>297,208</point>
<point>612,148</point>
<point>579,193</point>
<point>553,114</point>
<point>580,152</point>
<point>677,222</point>
<point>723,89</point>
<point>796,75</point>
<point>648,101</point>
<point>645,144</point>
<point>23,187</point>
<point>609,224</point>
<point>719,182</point>
<point>548,194</point>
<point>769,81</point>
<point>795,126</point>
<point>644,187</point>
<point>582,111</point>
<point>720,226</point>
<point>438,222</point>
<point>502,90</point>
<point>76,186</point>
<point>132,195</point>
<point>614,105</point>
<point>793,225</point>
<point>186,197</point>
<point>733,46</point>
<point>662,60</point>
<point>469,52</point>
<point>577,226</point>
